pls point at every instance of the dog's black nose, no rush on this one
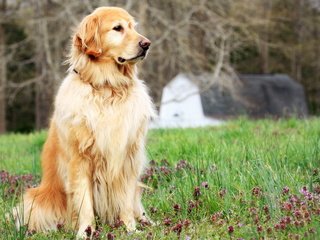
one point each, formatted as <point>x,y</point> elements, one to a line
<point>145,44</point>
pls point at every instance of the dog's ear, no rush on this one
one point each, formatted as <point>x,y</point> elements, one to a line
<point>87,38</point>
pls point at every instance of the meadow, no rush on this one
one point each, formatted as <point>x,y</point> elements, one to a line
<point>243,180</point>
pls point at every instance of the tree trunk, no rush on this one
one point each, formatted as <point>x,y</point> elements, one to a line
<point>45,86</point>
<point>299,33</point>
<point>264,47</point>
<point>3,81</point>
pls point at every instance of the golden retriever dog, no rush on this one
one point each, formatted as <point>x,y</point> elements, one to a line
<point>94,154</point>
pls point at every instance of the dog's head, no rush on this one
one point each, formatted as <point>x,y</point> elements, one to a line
<point>109,33</point>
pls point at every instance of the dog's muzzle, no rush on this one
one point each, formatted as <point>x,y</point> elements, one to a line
<point>144,47</point>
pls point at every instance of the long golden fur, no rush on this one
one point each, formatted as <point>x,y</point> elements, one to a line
<point>94,153</point>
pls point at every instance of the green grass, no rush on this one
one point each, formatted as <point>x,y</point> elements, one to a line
<point>233,159</point>
<point>20,153</point>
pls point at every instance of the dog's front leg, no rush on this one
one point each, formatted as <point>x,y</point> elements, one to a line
<point>139,158</point>
<point>139,212</point>
<point>127,205</point>
<point>80,202</point>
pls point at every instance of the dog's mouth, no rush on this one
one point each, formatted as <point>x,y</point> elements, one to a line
<point>140,56</point>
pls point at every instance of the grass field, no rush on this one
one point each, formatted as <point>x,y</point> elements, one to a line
<point>244,180</point>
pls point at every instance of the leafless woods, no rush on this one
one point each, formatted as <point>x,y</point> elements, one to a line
<point>222,37</point>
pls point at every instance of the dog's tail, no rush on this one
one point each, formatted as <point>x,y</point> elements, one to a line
<point>42,209</point>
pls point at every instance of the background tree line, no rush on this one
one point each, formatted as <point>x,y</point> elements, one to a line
<point>223,37</point>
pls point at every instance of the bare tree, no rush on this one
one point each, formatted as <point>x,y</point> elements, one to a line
<point>3,70</point>
<point>3,80</point>
<point>189,36</point>
<point>44,87</point>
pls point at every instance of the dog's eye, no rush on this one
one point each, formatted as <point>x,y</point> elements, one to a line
<point>118,28</point>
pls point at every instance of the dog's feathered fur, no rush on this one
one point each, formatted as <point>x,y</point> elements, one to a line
<point>94,153</point>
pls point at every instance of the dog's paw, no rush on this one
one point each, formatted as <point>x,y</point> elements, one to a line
<point>130,225</point>
<point>145,221</point>
<point>85,232</point>
<point>136,231</point>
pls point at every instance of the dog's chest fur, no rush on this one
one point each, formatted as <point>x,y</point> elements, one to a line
<point>112,122</point>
